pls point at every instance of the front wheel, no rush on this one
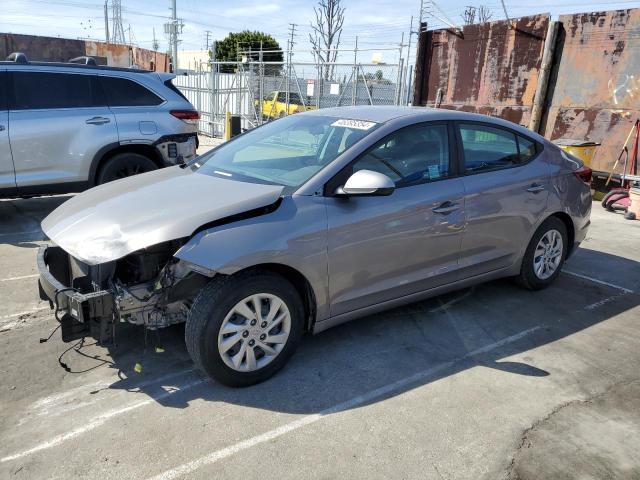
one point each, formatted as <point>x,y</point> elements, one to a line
<point>243,328</point>
<point>545,255</point>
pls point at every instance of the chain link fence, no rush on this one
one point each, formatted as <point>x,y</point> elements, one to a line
<point>262,91</point>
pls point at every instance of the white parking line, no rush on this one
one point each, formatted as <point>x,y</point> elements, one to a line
<point>101,419</point>
<point>26,312</point>
<point>98,421</point>
<point>11,279</point>
<point>57,404</point>
<point>218,455</point>
<point>595,280</point>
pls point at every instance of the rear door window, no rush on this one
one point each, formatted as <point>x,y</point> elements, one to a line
<point>488,148</point>
<point>44,90</point>
<point>121,92</point>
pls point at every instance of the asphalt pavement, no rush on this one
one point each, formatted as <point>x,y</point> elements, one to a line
<point>486,383</point>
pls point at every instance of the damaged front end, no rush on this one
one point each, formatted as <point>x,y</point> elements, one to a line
<point>148,287</point>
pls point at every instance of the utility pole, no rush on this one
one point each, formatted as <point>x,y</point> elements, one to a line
<point>206,42</point>
<point>173,28</point>
<point>174,34</point>
<point>155,43</point>
<point>106,21</point>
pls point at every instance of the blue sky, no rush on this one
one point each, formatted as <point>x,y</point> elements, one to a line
<point>378,24</point>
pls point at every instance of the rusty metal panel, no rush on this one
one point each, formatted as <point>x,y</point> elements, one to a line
<point>50,49</point>
<point>597,86</point>
<point>46,49</point>
<point>491,68</point>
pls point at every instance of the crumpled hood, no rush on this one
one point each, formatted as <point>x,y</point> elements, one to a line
<point>113,220</point>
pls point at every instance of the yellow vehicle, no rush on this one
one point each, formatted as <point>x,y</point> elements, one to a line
<point>274,105</point>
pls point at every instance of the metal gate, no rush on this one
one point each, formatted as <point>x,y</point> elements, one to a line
<point>260,91</point>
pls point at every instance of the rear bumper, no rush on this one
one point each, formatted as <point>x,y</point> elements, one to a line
<point>76,311</point>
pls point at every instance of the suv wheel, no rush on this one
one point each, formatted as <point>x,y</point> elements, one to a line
<point>124,165</point>
<point>243,328</point>
<point>545,255</point>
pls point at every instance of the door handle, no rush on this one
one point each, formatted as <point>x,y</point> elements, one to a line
<point>535,188</point>
<point>97,121</point>
<point>445,208</point>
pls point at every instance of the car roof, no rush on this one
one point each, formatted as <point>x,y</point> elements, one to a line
<point>386,113</point>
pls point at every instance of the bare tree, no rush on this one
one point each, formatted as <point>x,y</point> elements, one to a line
<point>484,14</point>
<point>325,38</point>
<point>469,15</point>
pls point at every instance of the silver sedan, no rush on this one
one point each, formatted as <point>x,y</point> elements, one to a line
<point>311,221</point>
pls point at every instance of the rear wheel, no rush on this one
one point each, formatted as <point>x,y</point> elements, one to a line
<point>242,329</point>
<point>124,165</point>
<point>545,255</point>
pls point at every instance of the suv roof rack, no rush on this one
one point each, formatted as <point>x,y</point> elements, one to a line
<point>17,57</point>
<point>84,60</point>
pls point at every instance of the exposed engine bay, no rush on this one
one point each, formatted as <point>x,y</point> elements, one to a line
<point>148,287</point>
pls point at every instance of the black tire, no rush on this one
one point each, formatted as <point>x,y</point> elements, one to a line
<point>209,310</point>
<point>124,165</point>
<point>528,278</point>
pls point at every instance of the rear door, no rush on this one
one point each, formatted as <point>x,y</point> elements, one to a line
<point>7,173</point>
<point>506,192</point>
<point>59,122</point>
<point>137,110</point>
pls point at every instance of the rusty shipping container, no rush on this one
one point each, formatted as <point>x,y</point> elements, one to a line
<point>52,49</point>
<point>595,89</point>
<point>490,68</point>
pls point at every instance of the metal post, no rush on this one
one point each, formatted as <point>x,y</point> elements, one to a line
<point>261,75</point>
<point>399,89</point>
<point>406,77</point>
<point>106,21</point>
<point>398,93</point>
<point>543,81</point>
<point>354,84</point>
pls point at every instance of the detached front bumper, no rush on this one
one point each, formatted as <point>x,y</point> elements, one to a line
<point>80,314</point>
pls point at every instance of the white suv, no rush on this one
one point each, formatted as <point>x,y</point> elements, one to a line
<point>65,127</point>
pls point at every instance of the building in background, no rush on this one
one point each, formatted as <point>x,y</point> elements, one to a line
<point>193,59</point>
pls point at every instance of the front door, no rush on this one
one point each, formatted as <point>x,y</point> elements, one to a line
<point>7,173</point>
<point>59,122</point>
<point>383,248</point>
<point>506,190</point>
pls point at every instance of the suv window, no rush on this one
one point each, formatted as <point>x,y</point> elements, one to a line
<point>490,148</point>
<point>412,155</point>
<point>121,92</point>
<point>3,91</point>
<point>39,90</point>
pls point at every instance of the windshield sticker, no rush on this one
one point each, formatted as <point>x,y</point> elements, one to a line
<point>357,124</point>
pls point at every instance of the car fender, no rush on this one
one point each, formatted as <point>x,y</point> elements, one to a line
<point>294,235</point>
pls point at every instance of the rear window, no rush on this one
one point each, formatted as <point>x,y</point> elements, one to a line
<point>121,92</point>
<point>169,84</point>
<point>42,90</point>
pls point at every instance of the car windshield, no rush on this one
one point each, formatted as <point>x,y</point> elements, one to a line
<point>286,152</point>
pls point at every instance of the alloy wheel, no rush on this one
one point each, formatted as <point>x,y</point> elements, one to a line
<point>254,332</point>
<point>548,254</point>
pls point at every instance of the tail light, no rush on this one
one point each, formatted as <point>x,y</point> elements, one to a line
<point>188,116</point>
<point>583,174</point>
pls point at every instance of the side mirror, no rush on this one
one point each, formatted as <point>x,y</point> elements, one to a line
<point>367,183</point>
